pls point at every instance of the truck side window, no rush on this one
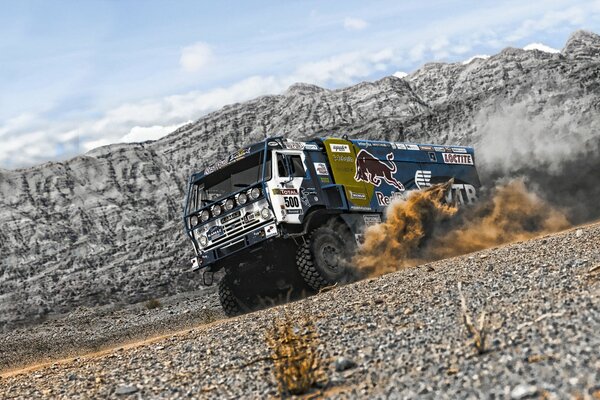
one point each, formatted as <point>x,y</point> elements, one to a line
<point>297,166</point>
<point>294,162</point>
<point>281,172</point>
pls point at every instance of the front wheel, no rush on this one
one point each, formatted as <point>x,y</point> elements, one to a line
<point>325,258</point>
<point>229,301</point>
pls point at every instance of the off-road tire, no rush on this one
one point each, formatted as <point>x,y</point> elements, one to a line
<point>228,300</point>
<point>316,275</point>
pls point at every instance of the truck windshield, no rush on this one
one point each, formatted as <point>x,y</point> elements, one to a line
<point>228,180</point>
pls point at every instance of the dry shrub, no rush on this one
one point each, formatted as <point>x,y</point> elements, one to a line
<point>152,304</point>
<point>477,334</point>
<point>295,354</point>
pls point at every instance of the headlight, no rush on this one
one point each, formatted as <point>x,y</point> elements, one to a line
<point>255,193</point>
<point>194,220</point>
<point>216,210</point>
<point>265,213</point>
<point>204,215</point>
<point>228,204</point>
<point>242,198</point>
<point>203,241</point>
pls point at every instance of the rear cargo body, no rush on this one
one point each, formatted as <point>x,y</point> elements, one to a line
<point>373,173</point>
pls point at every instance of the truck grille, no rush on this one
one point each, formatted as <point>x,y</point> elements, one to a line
<point>235,226</point>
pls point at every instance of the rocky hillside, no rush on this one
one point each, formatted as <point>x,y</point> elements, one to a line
<point>106,228</point>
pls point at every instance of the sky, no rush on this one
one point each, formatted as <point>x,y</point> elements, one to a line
<point>76,75</point>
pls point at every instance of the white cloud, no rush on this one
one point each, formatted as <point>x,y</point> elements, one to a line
<point>478,56</point>
<point>355,24</point>
<point>344,68</point>
<point>195,57</point>
<point>400,74</point>
<point>541,47</point>
<point>571,16</point>
<point>154,132</point>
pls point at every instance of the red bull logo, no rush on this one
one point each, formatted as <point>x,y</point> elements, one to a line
<point>372,170</point>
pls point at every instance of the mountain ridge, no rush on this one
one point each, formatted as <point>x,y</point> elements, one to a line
<point>105,227</point>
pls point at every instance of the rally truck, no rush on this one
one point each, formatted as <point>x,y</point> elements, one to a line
<point>283,217</point>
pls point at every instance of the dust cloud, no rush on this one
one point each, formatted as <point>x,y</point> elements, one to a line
<point>423,228</point>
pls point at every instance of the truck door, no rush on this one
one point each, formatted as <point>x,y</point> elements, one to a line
<point>289,171</point>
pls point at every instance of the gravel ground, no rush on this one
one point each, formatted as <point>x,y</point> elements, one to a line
<point>403,331</point>
<point>88,330</point>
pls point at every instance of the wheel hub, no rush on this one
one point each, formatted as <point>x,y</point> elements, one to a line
<point>330,256</point>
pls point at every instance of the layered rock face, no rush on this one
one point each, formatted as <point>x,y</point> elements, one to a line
<point>106,227</point>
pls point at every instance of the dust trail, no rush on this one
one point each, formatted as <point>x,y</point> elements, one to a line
<point>423,228</point>
<point>389,245</point>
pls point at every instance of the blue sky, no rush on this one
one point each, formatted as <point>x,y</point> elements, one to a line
<point>75,75</point>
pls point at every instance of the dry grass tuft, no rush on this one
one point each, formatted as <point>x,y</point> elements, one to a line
<point>152,304</point>
<point>478,334</point>
<point>295,354</point>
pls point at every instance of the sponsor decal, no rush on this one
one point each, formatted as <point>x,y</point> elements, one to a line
<point>347,159</point>
<point>451,158</point>
<point>362,143</point>
<point>360,208</point>
<point>423,179</point>
<point>305,193</point>
<point>228,160</point>
<point>321,168</point>
<point>371,170</point>
<point>270,230</point>
<point>250,217</point>
<point>400,146</point>
<point>426,148</point>
<point>432,156</point>
<point>384,200</point>
<point>439,149</point>
<point>459,150</point>
<point>371,220</point>
<point>357,196</point>
<point>412,147</point>
<point>311,146</point>
<point>296,211</point>
<point>273,144</point>
<point>285,192</point>
<point>339,148</point>
<point>324,180</point>
<point>294,145</point>
<point>462,193</point>
<point>231,216</point>
<point>215,232</point>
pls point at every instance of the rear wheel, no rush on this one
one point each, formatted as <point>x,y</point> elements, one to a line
<point>325,258</point>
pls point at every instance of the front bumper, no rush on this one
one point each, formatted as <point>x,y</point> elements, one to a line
<point>258,235</point>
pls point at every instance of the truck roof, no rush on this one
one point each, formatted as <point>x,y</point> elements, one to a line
<point>414,152</point>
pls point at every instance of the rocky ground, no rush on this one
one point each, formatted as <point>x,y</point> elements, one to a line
<point>88,330</point>
<point>397,336</point>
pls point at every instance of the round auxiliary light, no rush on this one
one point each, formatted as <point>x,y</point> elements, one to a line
<point>194,220</point>
<point>242,199</point>
<point>204,215</point>
<point>216,210</point>
<point>228,204</point>
<point>265,213</point>
<point>255,193</point>
<point>203,241</point>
